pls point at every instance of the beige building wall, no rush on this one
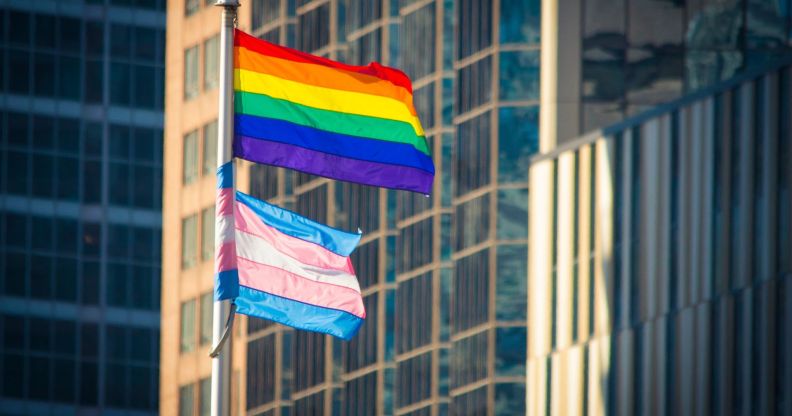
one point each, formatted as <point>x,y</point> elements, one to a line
<point>181,284</point>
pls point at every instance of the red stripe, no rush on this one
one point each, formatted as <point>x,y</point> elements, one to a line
<point>375,69</point>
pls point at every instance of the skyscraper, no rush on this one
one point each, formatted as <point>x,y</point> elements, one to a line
<point>445,279</point>
<point>80,198</point>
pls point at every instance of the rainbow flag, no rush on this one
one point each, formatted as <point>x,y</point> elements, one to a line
<point>287,268</point>
<point>314,115</point>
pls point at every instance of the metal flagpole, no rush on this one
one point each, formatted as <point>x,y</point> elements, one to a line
<point>221,363</point>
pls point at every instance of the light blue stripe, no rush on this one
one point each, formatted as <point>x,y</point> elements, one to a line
<point>225,176</point>
<point>296,314</point>
<point>226,284</point>
<point>289,223</point>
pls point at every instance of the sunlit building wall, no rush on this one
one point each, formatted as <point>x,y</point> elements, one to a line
<point>660,272</point>
<point>81,101</point>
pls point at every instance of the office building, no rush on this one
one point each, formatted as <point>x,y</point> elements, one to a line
<point>445,279</point>
<point>80,197</point>
<point>662,244</point>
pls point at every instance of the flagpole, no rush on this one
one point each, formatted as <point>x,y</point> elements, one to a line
<point>221,363</point>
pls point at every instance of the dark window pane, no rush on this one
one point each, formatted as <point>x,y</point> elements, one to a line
<point>91,239</point>
<point>92,181</point>
<point>63,370</point>
<point>94,78</point>
<point>19,27</point>
<point>41,277</point>
<point>13,375</point>
<point>94,38</point>
<point>15,273</point>
<point>40,378</point>
<point>88,385</point>
<point>92,142</point>
<point>68,174</point>
<point>43,133</point>
<point>69,76</point>
<point>17,172</point>
<point>70,34</point>
<point>43,175</point>
<point>44,75</point>
<point>42,233</point>
<point>69,135</point>
<point>89,340</point>
<point>145,43</point>
<point>90,283</point>
<point>120,40</point>
<point>144,88</point>
<point>66,280</point>
<point>511,288</point>
<point>18,71</point>
<point>120,83</point>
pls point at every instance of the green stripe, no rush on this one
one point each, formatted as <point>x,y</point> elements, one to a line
<point>350,124</point>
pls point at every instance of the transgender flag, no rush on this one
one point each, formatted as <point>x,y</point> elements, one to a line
<point>292,270</point>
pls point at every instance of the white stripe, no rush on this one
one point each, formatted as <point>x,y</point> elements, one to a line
<point>257,249</point>
<point>224,229</point>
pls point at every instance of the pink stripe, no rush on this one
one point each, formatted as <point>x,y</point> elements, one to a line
<point>225,257</point>
<point>288,285</point>
<point>303,251</point>
<point>225,202</point>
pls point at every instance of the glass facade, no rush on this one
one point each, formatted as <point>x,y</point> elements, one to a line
<point>639,53</point>
<point>445,299</point>
<point>80,198</point>
<point>668,284</point>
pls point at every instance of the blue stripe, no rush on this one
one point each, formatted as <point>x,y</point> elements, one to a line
<point>289,223</point>
<point>225,176</point>
<point>226,284</point>
<point>296,314</point>
<point>353,147</point>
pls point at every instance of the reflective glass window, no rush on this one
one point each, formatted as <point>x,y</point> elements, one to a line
<point>190,172</point>
<point>187,322</point>
<point>189,241</point>
<point>520,21</point>
<point>207,233</point>
<point>471,291</point>
<point>191,82</point>
<point>211,74</point>
<point>519,75</point>
<point>476,17</point>
<point>518,134</point>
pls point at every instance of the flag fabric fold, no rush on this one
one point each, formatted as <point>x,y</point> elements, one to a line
<point>293,270</point>
<point>345,122</point>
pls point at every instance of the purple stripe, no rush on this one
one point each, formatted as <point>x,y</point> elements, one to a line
<point>331,166</point>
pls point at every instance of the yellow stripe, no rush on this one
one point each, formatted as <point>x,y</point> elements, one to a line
<point>325,98</point>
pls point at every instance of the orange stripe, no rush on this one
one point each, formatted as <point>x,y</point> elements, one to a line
<point>320,76</point>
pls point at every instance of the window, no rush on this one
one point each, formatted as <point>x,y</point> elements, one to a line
<point>190,8</point>
<point>190,157</point>
<point>471,288</point>
<point>186,399</point>
<point>188,326</point>
<point>211,76</point>
<point>191,85</point>
<point>207,306</point>
<point>207,233</point>
<point>189,243</point>
<point>261,371</point>
<point>264,11</point>
<point>414,313</point>
<point>472,156</point>
<point>210,148</point>
<point>511,285</point>
<point>472,222</point>
<point>414,379</point>
<point>205,396</point>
